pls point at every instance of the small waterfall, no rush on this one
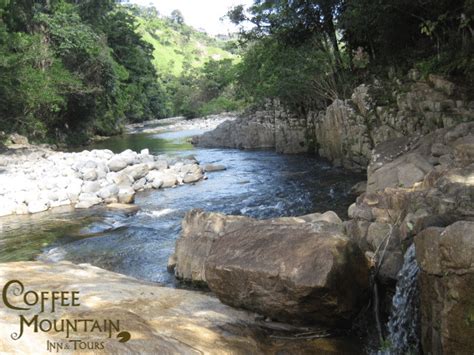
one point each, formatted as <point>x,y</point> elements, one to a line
<point>403,324</point>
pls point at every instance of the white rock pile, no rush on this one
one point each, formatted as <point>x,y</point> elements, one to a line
<point>207,123</point>
<point>35,180</point>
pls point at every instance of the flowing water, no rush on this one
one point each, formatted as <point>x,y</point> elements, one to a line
<point>260,184</point>
<point>403,325</point>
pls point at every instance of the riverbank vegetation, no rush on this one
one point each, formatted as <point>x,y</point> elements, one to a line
<point>72,69</point>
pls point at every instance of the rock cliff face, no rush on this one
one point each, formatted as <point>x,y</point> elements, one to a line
<point>412,187</point>
<point>348,130</point>
<point>271,128</point>
<point>416,140</point>
<point>422,189</point>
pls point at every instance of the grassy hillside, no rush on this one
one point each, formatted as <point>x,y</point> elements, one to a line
<point>177,45</point>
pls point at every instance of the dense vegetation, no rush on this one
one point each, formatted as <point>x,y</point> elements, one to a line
<point>309,52</point>
<point>73,68</point>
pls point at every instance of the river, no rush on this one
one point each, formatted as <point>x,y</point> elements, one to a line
<point>260,184</point>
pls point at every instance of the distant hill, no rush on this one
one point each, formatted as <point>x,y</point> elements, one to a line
<point>176,44</point>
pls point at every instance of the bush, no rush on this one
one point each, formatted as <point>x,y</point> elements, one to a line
<point>219,105</point>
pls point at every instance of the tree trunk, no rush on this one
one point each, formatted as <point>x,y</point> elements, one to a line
<point>331,32</point>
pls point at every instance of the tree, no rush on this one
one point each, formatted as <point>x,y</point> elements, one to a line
<point>177,17</point>
<point>73,68</point>
<point>403,32</point>
<point>294,22</point>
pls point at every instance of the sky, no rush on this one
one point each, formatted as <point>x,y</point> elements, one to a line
<point>204,14</point>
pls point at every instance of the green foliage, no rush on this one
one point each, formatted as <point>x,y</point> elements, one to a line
<point>307,53</point>
<point>301,76</point>
<point>196,70</point>
<point>437,35</point>
<point>219,105</point>
<point>70,69</point>
<point>206,91</point>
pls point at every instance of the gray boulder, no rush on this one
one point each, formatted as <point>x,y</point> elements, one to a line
<point>136,172</point>
<point>287,269</point>
<point>109,191</point>
<point>91,187</point>
<point>214,167</point>
<point>117,164</point>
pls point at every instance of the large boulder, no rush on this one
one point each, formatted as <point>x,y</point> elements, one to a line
<point>446,259</point>
<point>136,172</point>
<point>402,172</point>
<point>287,269</point>
<point>38,206</point>
<point>199,230</point>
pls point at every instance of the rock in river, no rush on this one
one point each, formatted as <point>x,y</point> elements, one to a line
<point>288,269</point>
<point>210,168</point>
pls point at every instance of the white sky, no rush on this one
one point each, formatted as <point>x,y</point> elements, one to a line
<point>204,14</point>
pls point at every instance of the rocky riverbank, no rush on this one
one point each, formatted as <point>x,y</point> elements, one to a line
<point>35,179</point>
<point>420,189</point>
<point>347,131</point>
<point>181,123</point>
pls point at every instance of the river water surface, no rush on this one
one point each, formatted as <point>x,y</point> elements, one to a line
<point>259,184</point>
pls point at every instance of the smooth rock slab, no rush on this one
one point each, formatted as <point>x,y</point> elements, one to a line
<point>160,320</point>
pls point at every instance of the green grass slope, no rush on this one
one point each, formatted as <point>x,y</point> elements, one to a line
<point>177,46</point>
